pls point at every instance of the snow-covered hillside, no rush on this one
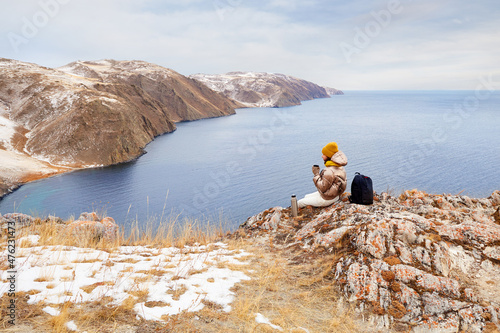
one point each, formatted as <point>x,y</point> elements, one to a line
<point>262,89</point>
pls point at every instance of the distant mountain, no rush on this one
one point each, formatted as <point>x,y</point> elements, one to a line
<point>333,91</point>
<point>97,113</point>
<point>262,89</point>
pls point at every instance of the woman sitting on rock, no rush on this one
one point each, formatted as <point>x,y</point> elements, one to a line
<point>331,181</point>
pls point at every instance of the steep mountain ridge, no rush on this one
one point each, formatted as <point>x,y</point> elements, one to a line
<point>254,89</point>
<point>90,113</point>
<point>98,113</point>
<point>185,99</point>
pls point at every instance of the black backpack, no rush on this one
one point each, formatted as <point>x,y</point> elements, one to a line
<point>361,190</point>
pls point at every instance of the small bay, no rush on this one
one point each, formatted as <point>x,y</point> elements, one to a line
<point>237,166</point>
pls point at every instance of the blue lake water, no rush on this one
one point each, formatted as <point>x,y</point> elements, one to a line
<point>237,166</point>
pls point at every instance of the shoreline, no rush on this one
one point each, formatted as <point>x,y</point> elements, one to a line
<point>6,188</point>
<point>18,169</point>
<point>21,178</point>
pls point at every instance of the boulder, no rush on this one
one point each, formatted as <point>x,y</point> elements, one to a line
<point>89,227</point>
<point>495,198</point>
<point>15,220</point>
<point>92,216</point>
<point>496,216</point>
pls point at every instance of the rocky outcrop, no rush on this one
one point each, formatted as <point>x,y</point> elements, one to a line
<point>89,227</point>
<point>12,223</point>
<point>262,89</point>
<point>97,113</point>
<point>5,187</point>
<point>419,262</point>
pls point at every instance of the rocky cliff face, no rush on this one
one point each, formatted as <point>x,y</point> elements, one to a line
<point>419,262</point>
<point>97,113</point>
<point>262,89</point>
<point>183,98</point>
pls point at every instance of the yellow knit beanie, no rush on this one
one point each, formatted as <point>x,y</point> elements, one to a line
<point>330,149</point>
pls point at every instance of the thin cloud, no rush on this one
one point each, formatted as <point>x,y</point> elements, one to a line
<point>457,39</point>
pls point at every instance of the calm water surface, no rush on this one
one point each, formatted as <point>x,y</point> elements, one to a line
<point>237,166</point>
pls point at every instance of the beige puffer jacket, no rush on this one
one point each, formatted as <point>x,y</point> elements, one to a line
<point>331,181</point>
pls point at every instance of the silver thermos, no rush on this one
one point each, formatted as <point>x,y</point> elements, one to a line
<point>295,207</point>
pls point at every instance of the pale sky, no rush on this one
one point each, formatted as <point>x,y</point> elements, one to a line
<point>348,45</point>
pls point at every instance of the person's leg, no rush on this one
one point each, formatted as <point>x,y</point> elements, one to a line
<point>315,200</point>
<point>306,200</point>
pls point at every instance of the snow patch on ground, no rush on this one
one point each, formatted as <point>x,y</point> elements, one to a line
<point>62,101</point>
<point>15,166</point>
<point>173,279</point>
<point>7,131</point>
<point>71,325</point>
<point>31,239</point>
<point>51,311</point>
<point>110,100</point>
<point>259,318</point>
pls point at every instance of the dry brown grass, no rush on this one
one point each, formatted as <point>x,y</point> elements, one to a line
<point>152,304</point>
<point>25,313</point>
<point>55,234</point>
<point>153,272</point>
<point>165,233</point>
<point>174,233</point>
<point>88,289</point>
<point>46,274</point>
<point>292,294</point>
<point>177,292</point>
<point>58,323</point>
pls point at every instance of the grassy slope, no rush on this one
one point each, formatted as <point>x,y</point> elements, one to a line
<point>291,293</point>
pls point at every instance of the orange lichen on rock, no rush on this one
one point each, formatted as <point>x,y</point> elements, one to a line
<point>89,225</point>
<point>397,310</point>
<point>496,216</point>
<point>393,260</point>
<point>388,275</point>
<point>471,231</point>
